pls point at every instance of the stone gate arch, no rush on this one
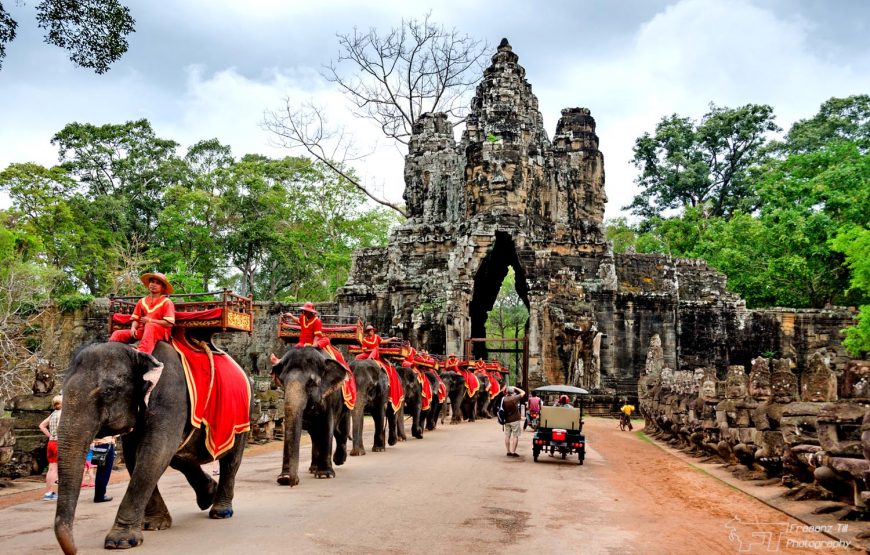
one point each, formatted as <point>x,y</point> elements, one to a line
<point>490,274</point>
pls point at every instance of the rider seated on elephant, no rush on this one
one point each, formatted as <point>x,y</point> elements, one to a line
<point>311,334</point>
<point>480,366</point>
<point>371,343</point>
<point>151,321</point>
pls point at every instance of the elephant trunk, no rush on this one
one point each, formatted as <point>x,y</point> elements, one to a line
<point>72,448</point>
<point>295,401</point>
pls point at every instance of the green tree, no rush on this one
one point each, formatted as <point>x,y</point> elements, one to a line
<point>839,119</point>
<point>94,32</point>
<point>705,164</point>
<point>854,242</point>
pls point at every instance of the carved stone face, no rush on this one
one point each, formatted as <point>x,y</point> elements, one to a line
<point>784,386</point>
<point>708,390</point>
<point>697,380</point>
<point>735,385</point>
<point>667,378</point>
<point>759,381</point>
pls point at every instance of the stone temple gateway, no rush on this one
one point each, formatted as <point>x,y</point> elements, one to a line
<point>508,196</point>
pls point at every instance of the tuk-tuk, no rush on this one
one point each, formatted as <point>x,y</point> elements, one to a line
<point>561,428</point>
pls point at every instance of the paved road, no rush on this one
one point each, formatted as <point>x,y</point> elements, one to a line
<point>453,491</point>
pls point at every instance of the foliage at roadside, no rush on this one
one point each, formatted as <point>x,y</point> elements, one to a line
<point>791,232</point>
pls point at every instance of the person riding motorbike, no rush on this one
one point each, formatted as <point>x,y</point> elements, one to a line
<point>533,415</point>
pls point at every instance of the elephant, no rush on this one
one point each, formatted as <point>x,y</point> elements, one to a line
<point>413,392</point>
<point>313,401</point>
<point>104,395</point>
<point>483,397</point>
<point>462,405</point>
<point>372,396</point>
<point>436,406</point>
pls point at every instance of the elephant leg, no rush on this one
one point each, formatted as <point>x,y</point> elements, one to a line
<point>323,463</point>
<point>147,456</point>
<point>391,421</point>
<point>156,514</point>
<point>378,415</point>
<point>357,414</point>
<point>203,485</point>
<point>400,424</point>
<point>416,424</point>
<point>341,432</point>
<point>229,463</point>
<point>456,407</point>
<point>313,434</point>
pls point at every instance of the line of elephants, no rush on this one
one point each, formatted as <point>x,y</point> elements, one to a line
<point>104,395</point>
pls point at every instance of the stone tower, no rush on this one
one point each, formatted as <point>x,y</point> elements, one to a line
<point>507,196</point>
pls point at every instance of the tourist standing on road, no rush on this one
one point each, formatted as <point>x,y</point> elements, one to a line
<point>512,418</point>
<point>104,467</point>
<point>49,427</point>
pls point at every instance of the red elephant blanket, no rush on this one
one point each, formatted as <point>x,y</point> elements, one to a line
<point>397,392</point>
<point>220,394</point>
<point>471,381</point>
<point>426,389</point>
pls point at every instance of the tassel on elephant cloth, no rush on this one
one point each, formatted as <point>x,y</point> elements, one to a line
<point>220,393</point>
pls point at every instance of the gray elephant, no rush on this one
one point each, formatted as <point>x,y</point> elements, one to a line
<point>436,406</point>
<point>462,405</point>
<point>413,393</point>
<point>104,396</point>
<point>372,390</point>
<point>313,401</point>
<point>483,397</point>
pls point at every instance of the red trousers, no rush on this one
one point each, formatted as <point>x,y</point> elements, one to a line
<point>148,336</point>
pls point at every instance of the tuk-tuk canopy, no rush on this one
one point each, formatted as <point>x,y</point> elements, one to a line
<point>567,389</point>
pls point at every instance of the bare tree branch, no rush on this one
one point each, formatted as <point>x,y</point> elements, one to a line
<point>393,78</point>
<point>307,128</point>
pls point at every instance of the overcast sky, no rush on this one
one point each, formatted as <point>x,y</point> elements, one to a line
<point>199,69</point>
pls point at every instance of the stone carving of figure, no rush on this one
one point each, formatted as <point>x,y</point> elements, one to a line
<point>655,357</point>
<point>759,379</point>
<point>783,382</point>
<point>819,384</point>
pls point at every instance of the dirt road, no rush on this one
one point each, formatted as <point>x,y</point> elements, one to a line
<point>455,491</point>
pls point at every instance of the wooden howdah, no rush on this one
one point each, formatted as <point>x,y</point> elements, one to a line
<point>224,311</point>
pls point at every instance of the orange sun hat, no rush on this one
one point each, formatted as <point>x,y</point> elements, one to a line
<point>167,287</point>
<point>309,307</point>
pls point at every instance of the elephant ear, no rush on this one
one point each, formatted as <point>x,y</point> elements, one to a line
<point>143,362</point>
<point>333,376</point>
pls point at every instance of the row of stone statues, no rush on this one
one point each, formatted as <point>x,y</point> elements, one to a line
<point>811,429</point>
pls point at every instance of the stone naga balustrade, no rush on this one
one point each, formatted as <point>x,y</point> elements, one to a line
<point>807,426</point>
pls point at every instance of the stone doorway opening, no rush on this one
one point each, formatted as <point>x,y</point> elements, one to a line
<point>500,260</point>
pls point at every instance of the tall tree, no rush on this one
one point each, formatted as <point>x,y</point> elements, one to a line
<point>94,32</point>
<point>417,67</point>
<point>839,119</point>
<point>705,164</point>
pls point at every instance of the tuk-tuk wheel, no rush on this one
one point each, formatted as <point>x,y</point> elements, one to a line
<point>535,453</point>
<point>580,459</point>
